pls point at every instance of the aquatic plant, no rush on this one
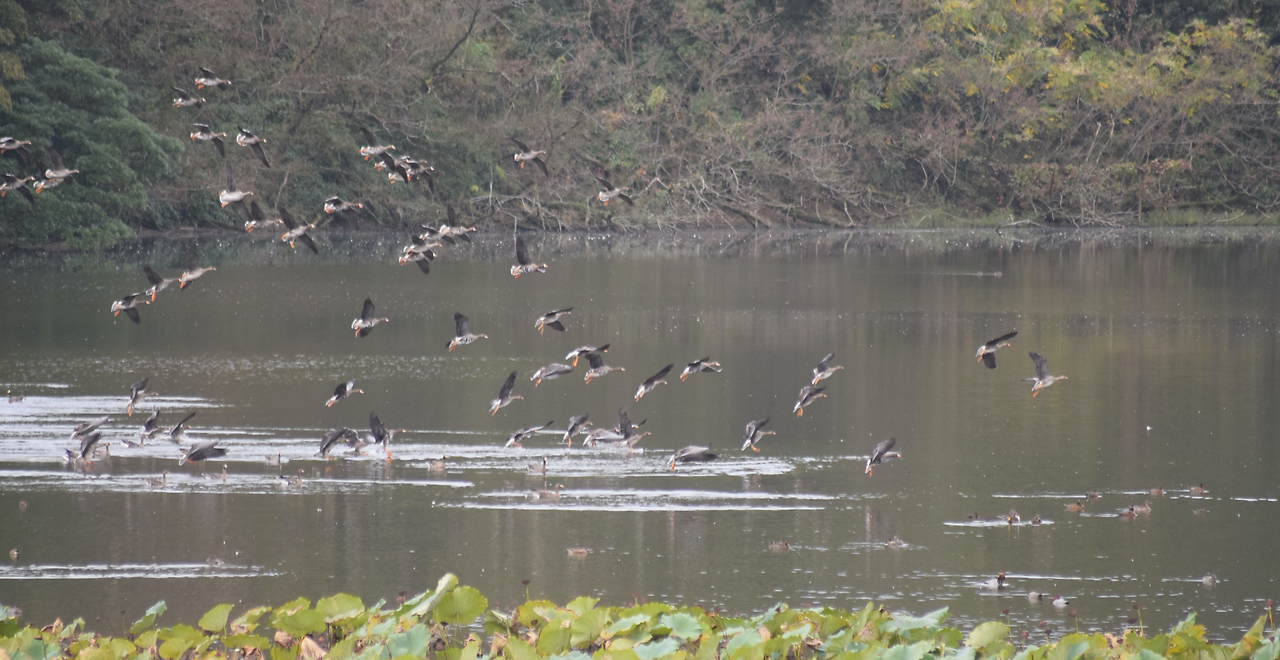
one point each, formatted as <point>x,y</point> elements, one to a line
<point>442,624</point>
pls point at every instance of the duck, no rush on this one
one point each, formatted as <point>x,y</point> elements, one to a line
<point>296,231</point>
<point>546,495</point>
<point>333,437</point>
<point>179,429</point>
<point>1145,507</point>
<point>598,367</point>
<point>825,369</point>
<point>158,283</point>
<point>996,582</point>
<point>1035,596</point>
<point>1042,378</point>
<point>1012,517</point>
<point>205,134</point>
<point>437,465</point>
<point>881,454</point>
<point>1035,520</point>
<point>14,398</point>
<point>294,480</point>
<point>1075,507</point>
<point>185,99</point>
<point>524,265</point>
<point>691,454</point>
<point>505,397</point>
<point>987,351</point>
<point>245,138</point>
<point>203,451</point>
<point>232,194</point>
<point>1061,601</point>
<point>162,482</point>
<point>779,546</point>
<point>373,146</point>
<point>129,305</point>
<point>552,320</point>
<point>192,275</point>
<point>336,204</point>
<point>342,391</point>
<point>583,350</point>
<point>753,434</point>
<point>578,552</point>
<point>611,191</point>
<point>575,424</point>
<point>1197,490</point>
<point>1157,492</point>
<point>462,332</point>
<point>1209,580</point>
<point>653,381</point>
<point>1129,513</point>
<point>381,435</point>
<point>1093,495</point>
<point>703,365</point>
<point>12,144</point>
<point>516,438</point>
<point>527,155</point>
<point>550,372</point>
<point>894,542</point>
<point>538,469</point>
<point>137,392</point>
<point>57,172</point>
<point>366,321</point>
<point>12,182</point>
<point>208,78</point>
<point>808,394</point>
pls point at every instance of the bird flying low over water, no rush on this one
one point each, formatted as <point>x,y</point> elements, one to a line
<point>462,332</point>
<point>233,195</point>
<point>297,231</point>
<point>189,276</point>
<point>703,365</point>
<point>825,369</point>
<point>129,305</point>
<point>180,428</point>
<point>611,191</point>
<point>85,428</point>
<point>987,352</point>
<point>151,428</point>
<point>333,437</point>
<point>516,438</point>
<point>158,283</point>
<point>505,397</point>
<point>524,265</point>
<point>1042,378</point>
<point>583,350</point>
<point>598,367</point>
<point>364,325</point>
<point>754,434</point>
<point>691,454</point>
<point>137,393</point>
<point>881,454</point>
<point>575,424</point>
<point>381,435</point>
<point>550,372</point>
<point>342,391</point>
<point>203,451</point>
<point>808,394</point>
<point>653,381</point>
<point>552,320</point>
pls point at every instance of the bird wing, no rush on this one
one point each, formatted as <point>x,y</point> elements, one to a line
<point>603,182</point>
<point>989,359</point>
<point>1042,367</point>
<point>152,276</point>
<point>390,162</point>
<point>287,218</point>
<point>424,264</point>
<point>133,315</point>
<point>660,375</point>
<point>595,360</point>
<point>262,155</point>
<point>997,340</point>
<point>203,128</point>
<point>524,148</point>
<point>461,325</point>
<point>375,426</point>
<point>822,364</point>
<point>542,166</point>
<point>256,214</point>
<point>138,387</point>
<point>522,252</point>
<point>207,73</point>
<point>152,423</point>
<point>507,386</point>
<point>556,325</point>
<point>179,425</point>
<point>366,312</point>
<point>231,179</point>
<point>22,190</point>
<point>342,388</point>
<point>307,241</point>
<point>883,447</point>
<point>369,139</point>
<point>55,158</point>
<point>182,93</point>
<point>451,216</point>
<point>626,199</point>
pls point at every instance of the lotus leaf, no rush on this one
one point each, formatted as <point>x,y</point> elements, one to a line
<point>625,625</point>
<point>966,653</point>
<point>610,654</point>
<point>461,606</point>
<point>681,625</point>
<point>746,645</point>
<point>533,613</point>
<point>986,633</point>
<point>656,649</point>
<point>582,604</point>
<point>903,623</point>
<point>146,639</point>
<point>148,618</point>
<point>278,653</point>
<point>588,627</point>
<point>174,648</point>
<point>554,637</point>
<point>245,641</point>
<point>248,622</point>
<point>339,607</point>
<point>571,655</point>
<point>344,648</point>
<point>915,651</point>
<point>1268,651</point>
<point>293,606</point>
<point>301,622</point>
<point>709,648</point>
<point>518,649</point>
<point>412,642</point>
<point>215,619</point>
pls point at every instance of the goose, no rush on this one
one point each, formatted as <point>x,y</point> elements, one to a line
<point>233,195</point>
<point>552,320</point>
<point>10,144</point>
<point>12,182</point>
<point>691,454</point>
<point>57,172</point>
<point>366,322</point>
<point>516,438</point>
<point>336,204</point>
<point>1042,378</point>
<point>704,365</point>
<point>462,332</point>
<point>205,134</point>
<point>653,381</point>
<point>137,392</point>
<point>452,227</point>
<point>246,139</point>
<point>598,367</point>
<point>524,265</point>
<point>611,191</point>
<point>583,350</point>
<point>85,428</point>
<point>342,391</point>
<point>151,428</point>
<point>754,434</point>
<point>333,437</point>
<point>395,171</point>
<point>550,372</point>
<point>208,78</point>
<point>203,451</point>
<point>825,369</point>
<point>129,305</point>
<point>881,454</point>
<point>547,495</point>
<point>258,219</point>
<point>575,424</point>
<point>381,436</point>
<point>527,155</point>
<point>373,147</point>
<point>190,276</point>
<point>158,283</point>
<point>987,351</point>
<point>179,429</point>
<point>297,231</point>
<point>808,394</point>
<point>185,99</point>
<point>505,397</point>
<point>423,259</point>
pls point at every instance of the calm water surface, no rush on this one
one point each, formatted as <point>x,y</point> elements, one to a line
<point>1170,345</point>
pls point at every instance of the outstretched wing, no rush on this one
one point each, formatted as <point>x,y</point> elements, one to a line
<point>997,340</point>
<point>507,386</point>
<point>595,360</point>
<point>524,148</point>
<point>262,155</point>
<point>1042,367</point>
<point>660,375</point>
<point>132,313</point>
<point>366,312</point>
<point>287,218</point>
<point>522,252</point>
<point>989,359</point>
<point>542,166</point>
<point>375,426</point>
<point>461,325</point>
<point>307,241</point>
<point>369,139</point>
<point>883,447</point>
<point>152,276</point>
<point>256,214</point>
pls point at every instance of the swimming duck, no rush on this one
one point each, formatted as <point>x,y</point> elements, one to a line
<point>1035,596</point>
<point>294,480</point>
<point>894,542</point>
<point>1012,517</point>
<point>14,398</point>
<point>1129,513</point>
<point>552,320</point>
<point>653,381</point>
<point>611,191</point>
<point>598,367</point>
<point>527,155</point>
<point>779,546</point>
<point>825,369</point>
<point>691,454</point>
<point>583,350</point>
<point>137,392</point>
<point>524,265</point>
<point>296,231</point>
<point>546,495</point>
<point>437,465</point>
<point>10,144</point>
<point>342,391</point>
<point>208,78</point>
<point>754,434</point>
<point>1035,520</point>
<point>462,332</point>
<point>1209,580</point>
<point>1157,492</point>
<point>704,365</point>
<point>516,438</point>
<point>129,305</point>
<point>203,451</point>
<point>246,139</point>
<point>1075,507</point>
<point>1197,490</point>
<point>1145,507</point>
<point>373,148</point>
<point>987,352</point>
<point>808,394</point>
<point>995,583</point>
<point>12,182</point>
<point>881,454</point>
<point>185,99</point>
<point>575,423</point>
<point>1061,601</point>
<point>233,195</point>
<point>333,437</point>
<point>550,372</point>
<point>158,283</point>
<point>1042,378</point>
<point>505,397</point>
<point>179,429</point>
<point>205,134</point>
<point>366,322</point>
<point>190,276</point>
<point>162,482</point>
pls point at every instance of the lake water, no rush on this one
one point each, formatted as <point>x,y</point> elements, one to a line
<point>1169,341</point>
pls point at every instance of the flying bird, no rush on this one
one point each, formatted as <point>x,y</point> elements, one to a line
<point>653,381</point>
<point>527,155</point>
<point>611,191</point>
<point>158,283</point>
<point>185,99</point>
<point>516,438</point>
<point>462,332</point>
<point>12,182</point>
<point>583,350</point>
<point>203,451</point>
<point>754,434</point>
<point>825,369</point>
<point>246,139</point>
<point>297,231</point>
<point>881,454</point>
<point>552,320</point>
<point>342,391</point>
<point>705,365</point>
<point>1042,378</point>
<point>19,147</point>
<point>598,367</point>
<point>808,394</point>
<point>208,78</point>
<point>333,437</point>
<point>987,352</point>
<point>205,134</point>
<point>364,325</point>
<point>524,265</point>
<point>550,372</point>
<point>691,454</point>
<point>505,397</point>
<point>137,393</point>
<point>129,305</point>
<point>373,146</point>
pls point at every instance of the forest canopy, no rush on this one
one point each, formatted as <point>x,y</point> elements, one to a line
<point>850,113</point>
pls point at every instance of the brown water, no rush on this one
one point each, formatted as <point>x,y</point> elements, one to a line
<point>1169,341</point>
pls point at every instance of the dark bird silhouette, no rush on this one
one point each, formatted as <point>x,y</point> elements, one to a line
<point>881,454</point>
<point>653,381</point>
<point>987,352</point>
